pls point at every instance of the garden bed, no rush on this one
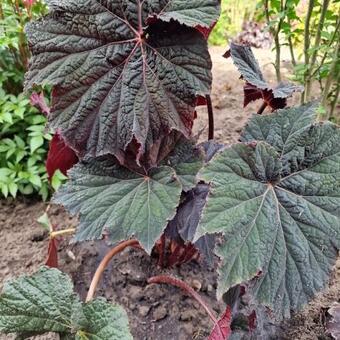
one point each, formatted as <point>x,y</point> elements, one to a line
<point>155,312</point>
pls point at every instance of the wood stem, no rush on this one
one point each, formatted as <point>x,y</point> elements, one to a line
<point>307,43</point>
<point>103,264</point>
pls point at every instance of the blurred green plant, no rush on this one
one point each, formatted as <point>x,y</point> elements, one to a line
<point>233,15</point>
<point>311,31</point>
<point>23,140</point>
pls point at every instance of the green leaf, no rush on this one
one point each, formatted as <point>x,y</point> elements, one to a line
<point>36,142</point>
<point>103,321</point>
<point>45,221</point>
<point>283,130</point>
<point>58,179</point>
<point>4,173</point>
<point>146,74</point>
<point>42,302</point>
<point>13,188</point>
<point>35,180</point>
<point>4,189</point>
<point>45,302</point>
<point>281,223</point>
<point>114,201</point>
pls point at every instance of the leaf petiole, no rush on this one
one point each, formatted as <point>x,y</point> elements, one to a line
<point>103,264</point>
<point>69,231</point>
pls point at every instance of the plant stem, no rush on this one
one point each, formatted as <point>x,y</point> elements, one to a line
<point>184,286</point>
<point>330,77</point>
<point>335,100</point>
<point>57,233</point>
<point>103,264</point>
<point>330,43</point>
<point>211,118</point>
<point>307,42</point>
<point>291,47</point>
<point>276,34</point>
<point>262,108</point>
<point>308,85</point>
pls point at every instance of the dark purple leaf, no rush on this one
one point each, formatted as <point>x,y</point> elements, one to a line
<point>118,80</point>
<point>256,87</point>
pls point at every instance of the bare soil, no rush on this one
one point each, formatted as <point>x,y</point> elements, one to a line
<point>155,312</point>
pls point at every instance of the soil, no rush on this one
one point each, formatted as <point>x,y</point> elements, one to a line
<point>155,311</point>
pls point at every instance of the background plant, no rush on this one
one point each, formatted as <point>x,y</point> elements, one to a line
<point>233,15</point>
<point>23,140</point>
<point>311,32</point>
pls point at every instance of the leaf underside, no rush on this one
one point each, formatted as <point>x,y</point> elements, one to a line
<point>118,203</point>
<point>278,206</point>
<point>184,224</point>
<point>45,302</point>
<point>119,75</point>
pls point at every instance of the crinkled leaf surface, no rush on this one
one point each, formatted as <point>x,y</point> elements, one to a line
<point>284,130</point>
<point>186,159</point>
<point>117,79</point>
<point>103,321</point>
<point>281,227</point>
<point>45,302</point>
<point>256,86</point>
<point>246,63</point>
<point>198,13</point>
<point>114,201</point>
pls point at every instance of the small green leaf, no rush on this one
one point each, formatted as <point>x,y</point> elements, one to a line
<point>103,321</point>
<point>45,221</point>
<point>35,180</point>
<point>58,179</point>
<point>4,173</point>
<point>4,189</point>
<point>45,302</point>
<point>13,189</point>
<point>36,143</point>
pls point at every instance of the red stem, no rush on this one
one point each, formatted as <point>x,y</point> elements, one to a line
<point>262,108</point>
<point>103,264</point>
<point>184,286</point>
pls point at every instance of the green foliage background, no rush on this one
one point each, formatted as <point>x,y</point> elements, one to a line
<point>23,140</point>
<point>233,14</point>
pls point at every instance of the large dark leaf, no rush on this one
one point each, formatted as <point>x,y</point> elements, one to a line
<point>281,223</point>
<point>256,86</point>
<point>118,79</point>
<point>45,302</point>
<point>118,203</point>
